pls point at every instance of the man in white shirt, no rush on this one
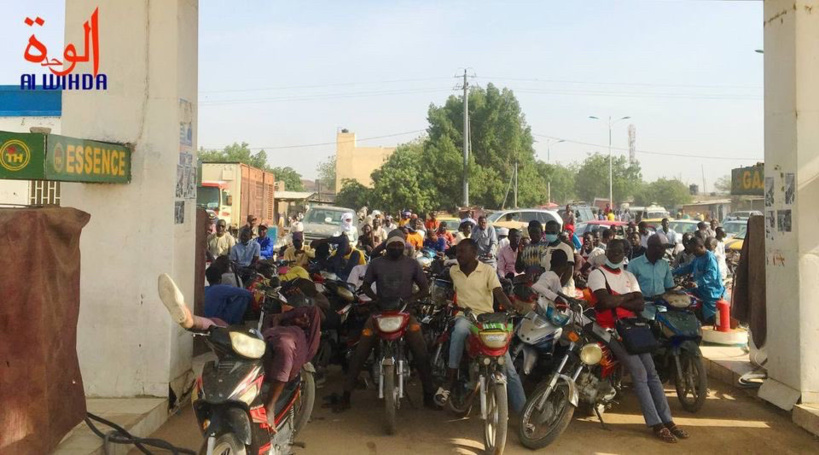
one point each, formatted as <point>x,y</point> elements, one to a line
<point>551,236</point>
<point>555,280</point>
<point>669,233</point>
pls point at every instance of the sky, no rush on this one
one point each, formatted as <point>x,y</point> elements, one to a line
<point>283,74</point>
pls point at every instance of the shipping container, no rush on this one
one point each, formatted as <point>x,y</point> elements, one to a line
<point>236,190</point>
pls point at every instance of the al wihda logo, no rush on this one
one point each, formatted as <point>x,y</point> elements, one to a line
<point>62,76</point>
<point>14,155</point>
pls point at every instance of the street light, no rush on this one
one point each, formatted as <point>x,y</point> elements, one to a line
<point>610,123</point>
<point>549,148</point>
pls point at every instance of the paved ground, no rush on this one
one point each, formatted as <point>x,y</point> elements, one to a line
<point>730,422</point>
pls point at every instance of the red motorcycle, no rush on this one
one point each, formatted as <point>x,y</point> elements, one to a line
<point>391,367</point>
<point>482,375</point>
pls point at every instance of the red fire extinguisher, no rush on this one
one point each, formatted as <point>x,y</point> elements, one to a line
<point>722,322</point>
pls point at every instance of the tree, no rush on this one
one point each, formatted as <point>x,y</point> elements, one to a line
<point>500,136</point>
<point>291,178</point>
<point>723,184</point>
<point>399,183</point>
<point>560,179</point>
<point>354,195</point>
<point>668,193</point>
<point>239,153</point>
<point>593,178</point>
<point>326,170</point>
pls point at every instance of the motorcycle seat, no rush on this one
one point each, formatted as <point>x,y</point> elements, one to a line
<point>493,318</point>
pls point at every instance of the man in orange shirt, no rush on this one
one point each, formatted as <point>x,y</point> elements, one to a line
<point>431,223</point>
<point>414,237</point>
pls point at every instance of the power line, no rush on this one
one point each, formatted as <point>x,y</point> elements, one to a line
<point>338,84</point>
<point>321,144</point>
<point>639,84</point>
<point>646,152</point>
<point>323,96</point>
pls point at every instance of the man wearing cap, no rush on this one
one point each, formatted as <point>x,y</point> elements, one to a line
<point>394,275</point>
<point>220,242</point>
<point>503,237</point>
<point>405,218</point>
<point>653,272</point>
<point>414,236</point>
<point>265,243</point>
<point>298,253</point>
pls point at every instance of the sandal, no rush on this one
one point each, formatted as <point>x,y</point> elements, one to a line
<point>441,396</point>
<point>677,431</point>
<point>665,435</point>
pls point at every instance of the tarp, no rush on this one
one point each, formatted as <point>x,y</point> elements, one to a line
<point>41,390</point>
<point>748,296</point>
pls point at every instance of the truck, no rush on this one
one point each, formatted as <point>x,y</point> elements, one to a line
<point>235,190</point>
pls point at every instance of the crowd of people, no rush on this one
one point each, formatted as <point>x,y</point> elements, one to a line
<point>619,274</point>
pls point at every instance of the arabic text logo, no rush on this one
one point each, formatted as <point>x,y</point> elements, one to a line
<point>62,76</point>
<point>14,155</point>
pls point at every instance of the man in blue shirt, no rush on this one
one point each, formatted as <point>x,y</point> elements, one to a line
<point>265,243</point>
<point>246,252</point>
<point>706,274</point>
<point>652,271</point>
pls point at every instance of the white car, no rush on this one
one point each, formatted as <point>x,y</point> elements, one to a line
<point>520,218</point>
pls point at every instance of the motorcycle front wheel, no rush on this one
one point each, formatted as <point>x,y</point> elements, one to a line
<point>390,397</point>
<point>226,444</point>
<point>691,383</point>
<point>541,427</point>
<point>497,419</point>
<point>304,407</point>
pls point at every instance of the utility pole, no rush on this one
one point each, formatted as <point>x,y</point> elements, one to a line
<point>611,185</point>
<point>516,184</point>
<point>466,143</point>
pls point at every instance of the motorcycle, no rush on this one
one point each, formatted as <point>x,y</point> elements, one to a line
<point>678,357</point>
<point>536,336</point>
<point>228,397</point>
<point>481,374</point>
<point>391,367</point>
<point>342,320</point>
<point>588,374</point>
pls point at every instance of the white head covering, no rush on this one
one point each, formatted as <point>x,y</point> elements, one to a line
<point>298,226</point>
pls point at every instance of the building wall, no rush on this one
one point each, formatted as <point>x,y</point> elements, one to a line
<point>357,163</point>
<point>126,342</point>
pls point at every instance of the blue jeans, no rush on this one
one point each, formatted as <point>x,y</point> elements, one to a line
<point>457,343</point>
<point>647,385</point>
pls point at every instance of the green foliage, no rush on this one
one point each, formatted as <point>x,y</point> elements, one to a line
<point>562,182</point>
<point>593,178</point>
<point>354,195</point>
<point>668,193</point>
<point>399,183</point>
<point>499,136</point>
<point>237,153</point>
<point>327,172</point>
<point>291,178</point>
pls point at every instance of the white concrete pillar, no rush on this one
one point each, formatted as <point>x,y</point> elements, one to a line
<point>792,160</point>
<point>127,343</point>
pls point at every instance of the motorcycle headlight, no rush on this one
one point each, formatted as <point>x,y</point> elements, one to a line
<point>390,323</point>
<point>591,354</point>
<point>494,340</point>
<point>246,345</point>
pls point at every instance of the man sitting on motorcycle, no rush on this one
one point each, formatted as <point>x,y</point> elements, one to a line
<point>618,296</point>
<point>706,274</point>
<point>394,275</point>
<point>291,342</point>
<point>554,281</point>
<point>476,284</point>
<point>652,271</point>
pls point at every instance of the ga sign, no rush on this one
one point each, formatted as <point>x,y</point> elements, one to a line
<point>748,181</point>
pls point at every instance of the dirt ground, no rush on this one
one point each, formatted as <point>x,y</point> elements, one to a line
<point>730,422</point>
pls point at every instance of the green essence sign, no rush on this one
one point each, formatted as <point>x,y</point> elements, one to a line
<point>31,156</point>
